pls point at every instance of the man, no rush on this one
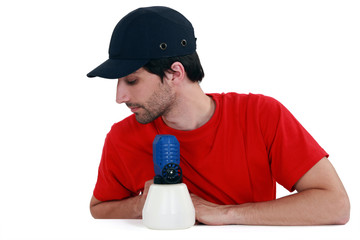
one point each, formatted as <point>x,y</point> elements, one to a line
<point>234,147</point>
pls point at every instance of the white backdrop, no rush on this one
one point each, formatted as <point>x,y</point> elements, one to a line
<point>54,119</point>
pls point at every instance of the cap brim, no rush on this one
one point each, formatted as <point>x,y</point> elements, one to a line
<point>117,68</point>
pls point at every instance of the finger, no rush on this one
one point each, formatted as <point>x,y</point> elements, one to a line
<point>147,186</point>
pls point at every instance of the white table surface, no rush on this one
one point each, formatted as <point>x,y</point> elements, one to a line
<point>134,229</point>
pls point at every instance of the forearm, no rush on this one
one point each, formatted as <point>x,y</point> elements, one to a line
<point>311,207</point>
<point>121,209</point>
<point>128,208</point>
<point>321,199</point>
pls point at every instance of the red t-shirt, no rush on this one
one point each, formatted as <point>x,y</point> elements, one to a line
<point>250,143</point>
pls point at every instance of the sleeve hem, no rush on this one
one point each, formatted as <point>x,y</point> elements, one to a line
<point>301,172</point>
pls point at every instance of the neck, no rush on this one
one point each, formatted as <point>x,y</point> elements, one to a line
<point>191,110</point>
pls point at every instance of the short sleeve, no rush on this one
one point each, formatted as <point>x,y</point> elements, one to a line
<point>108,187</point>
<point>292,150</point>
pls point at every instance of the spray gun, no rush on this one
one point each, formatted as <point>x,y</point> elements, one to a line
<point>168,204</point>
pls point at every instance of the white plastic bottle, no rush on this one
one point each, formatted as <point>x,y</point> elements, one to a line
<point>168,206</point>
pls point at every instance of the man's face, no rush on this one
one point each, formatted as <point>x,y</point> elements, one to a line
<point>145,95</point>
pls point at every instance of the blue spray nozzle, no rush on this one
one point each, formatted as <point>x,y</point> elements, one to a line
<point>166,157</point>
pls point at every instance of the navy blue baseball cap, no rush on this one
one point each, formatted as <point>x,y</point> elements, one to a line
<point>145,34</point>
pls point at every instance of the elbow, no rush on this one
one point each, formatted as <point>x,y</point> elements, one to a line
<point>95,208</point>
<point>341,210</point>
<point>94,213</point>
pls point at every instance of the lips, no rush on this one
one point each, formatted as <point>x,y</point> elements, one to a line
<point>134,109</point>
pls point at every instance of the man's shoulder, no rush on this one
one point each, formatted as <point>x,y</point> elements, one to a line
<point>244,99</point>
<point>129,126</point>
<point>129,120</point>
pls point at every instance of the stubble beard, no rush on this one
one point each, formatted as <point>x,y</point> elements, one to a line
<point>159,104</point>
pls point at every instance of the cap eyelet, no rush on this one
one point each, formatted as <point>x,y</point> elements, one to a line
<point>183,42</point>
<point>163,46</point>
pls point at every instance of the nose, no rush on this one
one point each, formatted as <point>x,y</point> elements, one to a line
<point>122,94</point>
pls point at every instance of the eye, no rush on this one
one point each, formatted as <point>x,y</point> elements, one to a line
<point>132,82</point>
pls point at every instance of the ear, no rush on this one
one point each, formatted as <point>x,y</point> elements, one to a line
<point>176,73</point>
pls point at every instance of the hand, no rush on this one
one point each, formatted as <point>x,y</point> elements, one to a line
<point>141,198</point>
<point>209,213</point>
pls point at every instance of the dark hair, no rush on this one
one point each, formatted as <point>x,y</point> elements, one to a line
<point>190,62</point>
